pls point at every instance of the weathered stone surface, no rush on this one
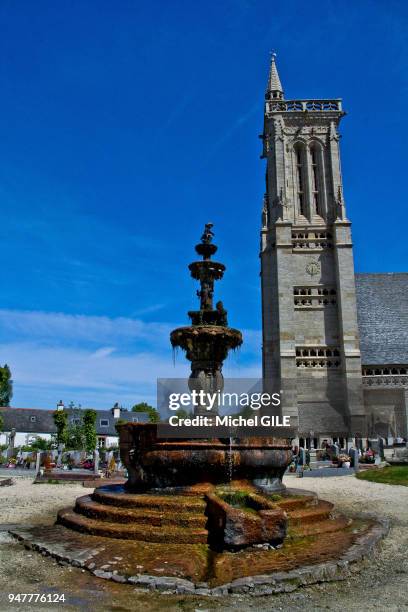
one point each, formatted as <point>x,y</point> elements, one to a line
<point>235,527</point>
<point>118,578</point>
<point>102,574</point>
<point>276,582</point>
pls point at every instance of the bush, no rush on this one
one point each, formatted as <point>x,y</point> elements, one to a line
<point>154,416</point>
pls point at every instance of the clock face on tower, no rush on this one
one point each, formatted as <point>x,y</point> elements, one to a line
<point>313,268</point>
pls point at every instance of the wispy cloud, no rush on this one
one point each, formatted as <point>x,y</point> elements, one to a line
<point>60,328</point>
<point>98,360</point>
<point>148,309</point>
<point>238,123</point>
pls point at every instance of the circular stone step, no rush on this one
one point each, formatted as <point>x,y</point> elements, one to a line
<point>126,531</point>
<point>115,496</point>
<point>295,503</point>
<point>90,508</point>
<point>322,510</point>
<point>319,527</point>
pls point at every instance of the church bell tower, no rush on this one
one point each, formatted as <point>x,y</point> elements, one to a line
<point>310,331</point>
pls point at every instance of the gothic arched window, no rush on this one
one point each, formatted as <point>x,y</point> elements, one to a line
<point>300,178</point>
<point>316,177</point>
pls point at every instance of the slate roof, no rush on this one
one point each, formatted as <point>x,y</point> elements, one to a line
<point>382,311</point>
<point>39,421</point>
<point>30,420</point>
<point>106,415</point>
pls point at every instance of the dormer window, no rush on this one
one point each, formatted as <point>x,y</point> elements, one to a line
<point>33,419</point>
<point>104,422</point>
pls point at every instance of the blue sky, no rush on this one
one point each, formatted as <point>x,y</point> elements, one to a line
<point>125,126</point>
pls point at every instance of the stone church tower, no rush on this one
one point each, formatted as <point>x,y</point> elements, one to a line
<point>310,330</point>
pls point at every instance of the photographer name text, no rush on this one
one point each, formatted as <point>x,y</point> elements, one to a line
<point>230,421</point>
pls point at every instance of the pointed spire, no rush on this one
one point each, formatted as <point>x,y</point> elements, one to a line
<point>274,88</point>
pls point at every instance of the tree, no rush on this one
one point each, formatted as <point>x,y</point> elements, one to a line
<point>6,386</point>
<point>75,437</point>
<point>61,423</point>
<point>154,416</point>
<point>41,444</point>
<point>89,429</point>
<point>182,414</point>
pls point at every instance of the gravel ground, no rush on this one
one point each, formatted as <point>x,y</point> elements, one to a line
<point>382,584</point>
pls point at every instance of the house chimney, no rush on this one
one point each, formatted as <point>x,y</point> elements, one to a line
<point>116,411</point>
<point>60,405</point>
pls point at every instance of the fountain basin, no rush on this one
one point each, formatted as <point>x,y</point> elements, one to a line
<point>206,342</point>
<point>154,462</point>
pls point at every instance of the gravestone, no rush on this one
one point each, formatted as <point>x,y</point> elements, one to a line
<point>96,461</point>
<point>11,438</point>
<point>374,444</point>
<point>381,449</point>
<point>37,463</point>
<point>59,458</point>
<point>354,459</point>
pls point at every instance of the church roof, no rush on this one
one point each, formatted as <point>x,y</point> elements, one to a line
<point>382,311</point>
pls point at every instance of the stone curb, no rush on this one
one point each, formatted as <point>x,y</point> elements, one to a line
<point>269,584</point>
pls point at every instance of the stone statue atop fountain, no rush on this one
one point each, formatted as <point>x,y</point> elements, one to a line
<point>208,234</point>
<point>206,295</point>
<point>222,314</point>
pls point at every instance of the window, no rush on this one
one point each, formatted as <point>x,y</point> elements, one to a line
<point>75,421</point>
<point>300,177</point>
<point>104,422</point>
<point>316,179</point>
<point>33,419</point>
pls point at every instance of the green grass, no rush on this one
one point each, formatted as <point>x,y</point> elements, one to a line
<point>394,475</point>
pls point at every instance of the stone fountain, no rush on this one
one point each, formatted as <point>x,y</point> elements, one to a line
<point>154,462</point>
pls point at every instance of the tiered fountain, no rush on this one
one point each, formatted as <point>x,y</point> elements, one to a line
<point>191,514</point>
<point>154,462</point>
